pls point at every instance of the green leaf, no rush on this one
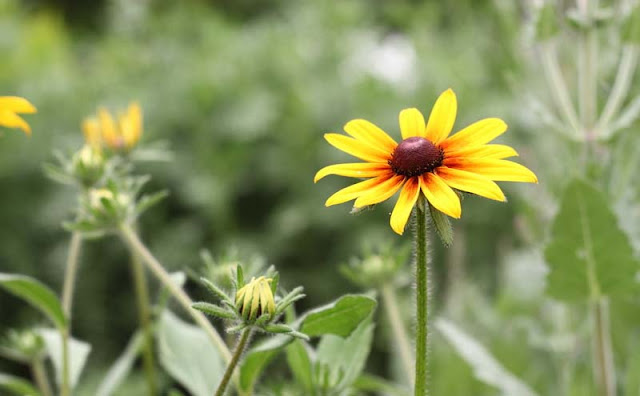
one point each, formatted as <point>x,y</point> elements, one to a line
<point>78,353</point>
<point>17,385</point>
<point>442,225</point>
<point>36,294</point>
<point>345,357</point>
<point>121,367</point>
<point>588,253</point>
<point>186,353</point>
<point>340,317</point>
<point>485,367</point>
<point>300,364</point>
<point>257,359</point>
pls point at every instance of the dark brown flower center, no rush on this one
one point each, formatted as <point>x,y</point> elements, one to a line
<point>415,156</point>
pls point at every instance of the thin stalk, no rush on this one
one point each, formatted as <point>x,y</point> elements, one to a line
<point>588,70</point>
<point>399,333</point>
<point>240,347</point>
<point>136,246</point>
<point>144,316</point>
<point>67,303</point>
<point>422,301</point>
<point>558,86</point>
<point>40,377</point>
<point>621,85</point>
<point>604,369</point>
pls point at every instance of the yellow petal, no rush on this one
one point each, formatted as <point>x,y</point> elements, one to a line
<point>478,133</point>
<point>16,104</point>
<point>408,197</point>
<point>471,182</point>
<point>355,190</point>
<point>488,151</point>
<point>357,148</point>
<point>108,128</point>
<point>369,133</point>
<point>381,192</point>
<point>131,125</point>
<point>440,195</point>
<point>411,123</point>
<point>363,169</point>
<point>442,118</point>
<point>91,131</point>
<point>12,120</point>
<point>499,170</point>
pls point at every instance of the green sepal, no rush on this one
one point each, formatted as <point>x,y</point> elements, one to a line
<point>278,328</point>
<point>213,310</point>
<point>215,290</point>
<point>442,225</point>
<point>274,283</point>
<point>239,276</point>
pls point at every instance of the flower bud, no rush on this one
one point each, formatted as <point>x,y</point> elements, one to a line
<point>88,165</point>
<point>256,298</point>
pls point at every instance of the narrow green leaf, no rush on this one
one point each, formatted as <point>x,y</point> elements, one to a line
<point>485,367</point>
<point>345,357</point>
<point>213,310</point>
<point>274,283</point>
<point>215,290</point>
<point>442,225</point>
<point>78,353</point>
<point>340,317</point>
<point>186,353</point>
<point>278,328</point>
<point>148,201</point>
<point>300,364</point>
<point>36,294</point>
<point>588,253</point>
<point>17,386</point>
<point>121,367</point>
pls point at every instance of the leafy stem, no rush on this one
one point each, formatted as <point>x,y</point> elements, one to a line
<point>40,377</point>
<point>240,347</point>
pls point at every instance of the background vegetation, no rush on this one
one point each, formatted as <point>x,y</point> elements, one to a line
<point>242,92</point>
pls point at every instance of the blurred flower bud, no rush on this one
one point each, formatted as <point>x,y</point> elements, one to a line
<point>87,165</point>
<point>547,22</point>
<point>119,136</point>
<point>24,345</point>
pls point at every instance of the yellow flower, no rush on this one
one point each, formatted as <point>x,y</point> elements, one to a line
<point>427,161</point>
<point>120,135</point>
<point>256,298</point>
<point>10,107</point>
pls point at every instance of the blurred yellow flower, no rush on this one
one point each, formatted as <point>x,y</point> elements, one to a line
<point>119,135</point>
<point>256,298</point>
<point>10,107</point>
<point>426,161</point>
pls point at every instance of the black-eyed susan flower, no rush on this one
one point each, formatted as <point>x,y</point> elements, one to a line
<point>119,135</point>
<point>427,161</point>
<point>10,107</point>
<point>256,298</point>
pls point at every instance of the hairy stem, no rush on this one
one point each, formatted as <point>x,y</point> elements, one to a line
<point>136,246</point>
<point>144,316</point>
<point>67,303</point>
<point>242,344</point>
<point>422,301</point>
<point>398,329</point>
<point>40,377</point>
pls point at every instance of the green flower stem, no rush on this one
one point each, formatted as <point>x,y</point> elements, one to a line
<point>422,300</point>
<point>144,316</point>
<point>67,303</point>
<point>136,246</point>
<point>40,377</point>
<point>603,367</point>
<point>399,333</point>
<point>242,344</point>
<point>588,69</point>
